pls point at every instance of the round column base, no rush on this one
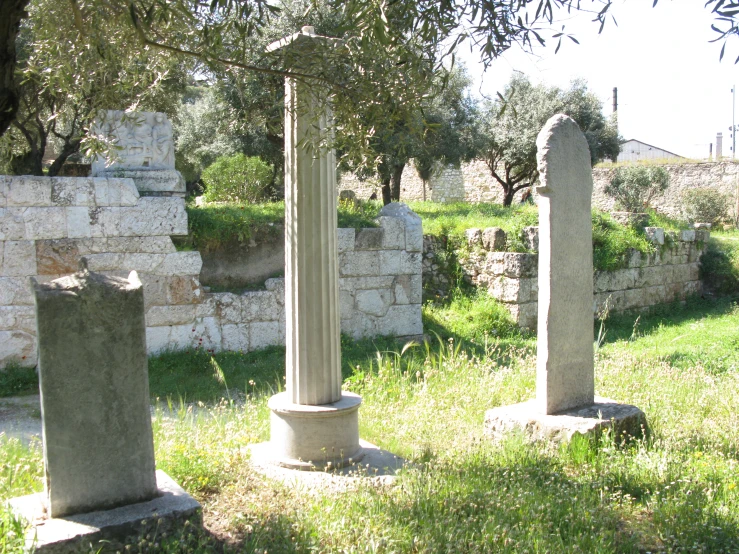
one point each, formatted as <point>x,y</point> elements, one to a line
<point>314,437</point>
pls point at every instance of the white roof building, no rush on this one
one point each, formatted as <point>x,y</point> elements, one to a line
<point>634,150</point>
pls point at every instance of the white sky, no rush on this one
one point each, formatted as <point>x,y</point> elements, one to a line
<point>673,92</point>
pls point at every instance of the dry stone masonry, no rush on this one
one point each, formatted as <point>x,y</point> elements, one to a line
<point>48,224</point>
<point>671,273</point>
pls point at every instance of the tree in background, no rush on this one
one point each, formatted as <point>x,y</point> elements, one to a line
<point>634,187</point>
<point>68,79</point>
<point>506,137</point>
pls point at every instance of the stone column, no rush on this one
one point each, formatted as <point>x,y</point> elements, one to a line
<point>312,422</point>
<point>565,402</point>
<point>93,376</point>
<point>564,370</point>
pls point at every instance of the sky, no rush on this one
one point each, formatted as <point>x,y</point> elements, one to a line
<point>673,92</point>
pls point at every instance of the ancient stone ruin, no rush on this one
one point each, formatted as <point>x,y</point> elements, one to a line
<point>565,401</point>
<point>100,477</point>
<point>142,149</point>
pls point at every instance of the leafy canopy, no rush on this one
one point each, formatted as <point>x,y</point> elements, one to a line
<point>510,125</point>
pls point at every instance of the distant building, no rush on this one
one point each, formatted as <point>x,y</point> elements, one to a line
<point>635,150</point>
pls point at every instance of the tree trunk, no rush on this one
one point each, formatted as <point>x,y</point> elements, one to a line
<point>68,149</point>
<point>11,14</point>
<point>508,193</point>
<point>397,175</point>
<point>386,197</point>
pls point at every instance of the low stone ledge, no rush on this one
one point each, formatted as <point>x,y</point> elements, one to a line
<point>592,420</point>
<point>110,530</point>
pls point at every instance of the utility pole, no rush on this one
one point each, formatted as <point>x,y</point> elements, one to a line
<point>733,122</point>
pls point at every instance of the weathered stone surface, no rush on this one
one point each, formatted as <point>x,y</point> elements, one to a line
<point>170,315</point>
<point>390,262</point>
<point>277,286</point>
<point>369,239</point>
<point>356,283</point>
<point>413,225</point>
<point>346,304</point>
<point>183,289</point>
<point>181,263</point>
<point>12,225</point>
<point>530,237</point>
<point>110,530</point>
<point>235,337</point>
<point>29,191</point>
<point>410,263</point>
<point>19,258</point>
<point>15,291</point>
<point>655,234</point>
<point>4,180</point>
<point>229,307</point>
<point>512,264</point>
<point>45,223</point>
<point>687,235</point>
<point>93,376</point>
<point>19,347</point>
<point>21,318</point>
<point>365,263</point>
<point>104,222</point>
<point>346,239</point>
<point>394,236</point>
<point>494,239</point>
<point>474,237</point>
<point>56,256</point>
<point>264,334</point>
<point>260,306</point>
<point>154,216</point>
<point>590,420</point>
<point>507,289</point>
<point>69,191</point>
<point>564,375</point>
<point>373,302</point>
<point>149,245</point>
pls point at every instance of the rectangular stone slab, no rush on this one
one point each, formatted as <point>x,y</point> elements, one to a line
<point>93,376</point>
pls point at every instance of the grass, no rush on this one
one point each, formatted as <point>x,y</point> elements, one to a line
<point>675,491</point>
<point>217,225</point>
<point>18,381</point>
<point>720,262</point>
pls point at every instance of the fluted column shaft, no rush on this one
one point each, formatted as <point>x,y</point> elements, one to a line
<point>313,363</point>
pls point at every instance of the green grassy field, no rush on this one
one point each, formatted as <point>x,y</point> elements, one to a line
<point>675,491</point>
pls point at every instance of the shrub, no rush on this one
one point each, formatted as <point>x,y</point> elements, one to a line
<point>634,187</point>
<point>704,205</point>
<point>237,179</point>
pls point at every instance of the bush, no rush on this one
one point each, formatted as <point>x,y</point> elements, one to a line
<point>237,179</point>
<point>705,205</point>
<point>634,187</point>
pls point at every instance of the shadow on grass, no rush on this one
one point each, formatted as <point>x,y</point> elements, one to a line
<point>622,326</point>
<point>520,500</point>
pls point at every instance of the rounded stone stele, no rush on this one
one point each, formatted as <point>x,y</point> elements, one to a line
<point>314,437</point>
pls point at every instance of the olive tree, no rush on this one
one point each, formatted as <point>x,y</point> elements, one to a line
<point>506,137</point>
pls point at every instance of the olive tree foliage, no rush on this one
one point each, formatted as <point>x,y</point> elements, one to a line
<point>66,79</point>
<point>509,127</point>
<point>218,32</point>
<point>634,187</point>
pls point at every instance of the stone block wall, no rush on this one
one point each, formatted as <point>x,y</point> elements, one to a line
<point>671,273</point>
<point>723,175</point>
<point>48,224</point>
<point>472,182</point>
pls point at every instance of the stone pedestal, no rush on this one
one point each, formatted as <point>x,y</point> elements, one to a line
<point>312,423</point>
<point>565,400</point>
<point>100,479</point>
<point>93,376</point>
<point>111,530</point>
<point>144,151</point>
<point>591,420</point>
<point>305,436</point>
